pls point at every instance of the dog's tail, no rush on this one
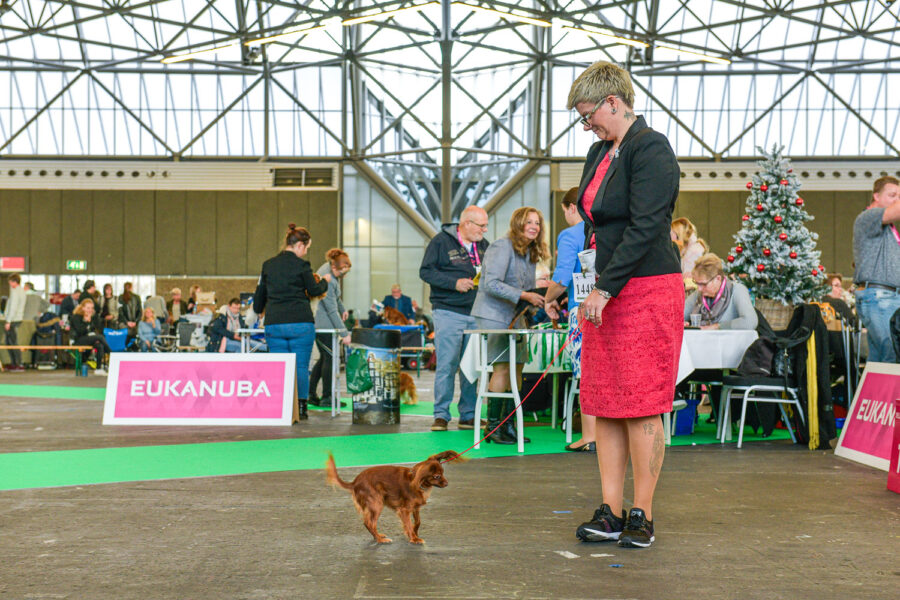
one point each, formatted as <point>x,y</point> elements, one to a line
<point>331,474</point>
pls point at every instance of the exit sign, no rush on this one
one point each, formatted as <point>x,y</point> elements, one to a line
<point>76,265</point>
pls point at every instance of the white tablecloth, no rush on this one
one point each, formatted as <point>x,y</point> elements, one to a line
<point>713,349</point>
<point>700,349</point>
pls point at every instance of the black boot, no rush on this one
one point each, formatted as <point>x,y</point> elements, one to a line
<point>510,426</point>
<point>495,410</point>
<point>302,415</point>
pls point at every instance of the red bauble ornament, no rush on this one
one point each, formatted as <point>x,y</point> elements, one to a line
<point>766,252</point>
<point>821,268</point>
<point>730,258</point>
<point>745,218</point>
<point>790,170</point>
<point>815,272</point>
<point>739,249</point>
<point>783,182</point>
<point>778,218</point>
<point>749,185</point>
<point>760,268</point>
<point>793,255</point>
<point>799,201</point>
<point>782,236</point>
<point>759,207</point>
<point>763,188</point>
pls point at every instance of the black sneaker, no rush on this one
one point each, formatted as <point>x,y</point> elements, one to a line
<point>638,531</point>
<point>604,527</point>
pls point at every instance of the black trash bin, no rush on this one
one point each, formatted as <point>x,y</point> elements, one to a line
<point>380,404</point>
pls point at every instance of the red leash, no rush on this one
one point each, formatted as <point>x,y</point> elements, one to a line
<point>541,378</point>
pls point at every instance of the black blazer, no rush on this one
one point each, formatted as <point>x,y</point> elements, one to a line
<point>632,211</point>
<point>282,289</point>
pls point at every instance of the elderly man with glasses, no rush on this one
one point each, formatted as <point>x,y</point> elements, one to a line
<point>451,267</point>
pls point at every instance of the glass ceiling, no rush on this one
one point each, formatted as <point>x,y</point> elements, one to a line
<point>439,83</point>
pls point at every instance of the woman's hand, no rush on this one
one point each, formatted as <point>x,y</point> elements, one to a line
<point>552,310</point>
<point>345,315</point>
<point>592,308</point>
<point>532,297</point>
<point>346,340</point>
<point>713,326</point>
<point>327,277</point>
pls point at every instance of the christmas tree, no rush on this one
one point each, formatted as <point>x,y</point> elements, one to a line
<point>775,254</point>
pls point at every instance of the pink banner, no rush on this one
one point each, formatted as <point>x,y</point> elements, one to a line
<point>205,389</point>
<point>894,471</point>
<point>869,428</point>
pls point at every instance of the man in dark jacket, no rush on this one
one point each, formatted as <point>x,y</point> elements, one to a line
<point>69,303</point>
<point>451,266</point>
<point>223,331</point>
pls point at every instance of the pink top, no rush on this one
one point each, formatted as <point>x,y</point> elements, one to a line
<point>590,192</point>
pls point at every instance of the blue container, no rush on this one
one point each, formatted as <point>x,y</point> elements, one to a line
<point>84,370</point>
<point>686,417</point>
<point>839,423</point>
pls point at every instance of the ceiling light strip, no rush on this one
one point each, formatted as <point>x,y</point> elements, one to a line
<point>506,15</point>
<point>608,37</point>
<point>176,58</point>
<point>385,14</point>
<point>289,33</point>
<point>695,55</point>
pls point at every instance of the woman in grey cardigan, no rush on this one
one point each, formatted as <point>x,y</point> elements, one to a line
<point>508,272</point>
<point>720,302</point>
<point>330,314</point>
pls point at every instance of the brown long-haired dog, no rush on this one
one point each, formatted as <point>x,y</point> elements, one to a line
<point>402,489</point>
<point>408,393</point>
<point>392,316</point>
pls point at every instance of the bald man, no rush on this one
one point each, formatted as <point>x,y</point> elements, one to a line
<point>451,263</point>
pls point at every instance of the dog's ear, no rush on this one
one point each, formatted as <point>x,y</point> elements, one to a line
<point>447,455</point>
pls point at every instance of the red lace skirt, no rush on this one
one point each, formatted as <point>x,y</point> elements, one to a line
<point>629,363</point>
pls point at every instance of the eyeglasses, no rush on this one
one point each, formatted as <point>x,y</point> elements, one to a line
<point>478,225</point>
<point>701,284</point>
<point>586,119</point>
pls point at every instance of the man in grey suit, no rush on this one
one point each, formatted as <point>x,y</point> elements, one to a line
<point>450,266</point>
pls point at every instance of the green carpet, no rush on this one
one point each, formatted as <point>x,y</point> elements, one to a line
<point>53,391</point>
<point>24,470</point>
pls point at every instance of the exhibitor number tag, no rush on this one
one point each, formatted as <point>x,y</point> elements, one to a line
<point>583,285</point>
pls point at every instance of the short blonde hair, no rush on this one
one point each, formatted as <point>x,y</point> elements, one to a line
<point>600,80</point>
<point>175,291</point>
<point>709,265</point>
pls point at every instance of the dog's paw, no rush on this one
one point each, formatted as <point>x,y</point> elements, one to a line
<point>384,540</point>
<point>416,540</point>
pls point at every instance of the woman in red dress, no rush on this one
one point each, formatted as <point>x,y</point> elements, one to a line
<point>634,317</point>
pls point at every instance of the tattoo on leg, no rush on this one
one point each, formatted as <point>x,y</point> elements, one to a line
<point>658,452</point>
<point>649,428</point>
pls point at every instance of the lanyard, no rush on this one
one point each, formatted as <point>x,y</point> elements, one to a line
<point>896,235</point>
<point>473,255</point>
<point>716,299</point>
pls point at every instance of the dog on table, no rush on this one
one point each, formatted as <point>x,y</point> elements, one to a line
<point>392,316</point>
<point>405,490</point>
<point>408,393</point>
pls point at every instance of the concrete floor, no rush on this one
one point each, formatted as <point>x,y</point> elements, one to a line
<point>771,520</point>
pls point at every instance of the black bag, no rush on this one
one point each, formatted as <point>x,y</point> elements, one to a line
<point>758,359</point>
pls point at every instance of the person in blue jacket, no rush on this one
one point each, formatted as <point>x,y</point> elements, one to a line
<point>397,300</point>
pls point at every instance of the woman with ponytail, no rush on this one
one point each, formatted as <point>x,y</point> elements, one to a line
<point>285,286</point>
<point>330,314</point>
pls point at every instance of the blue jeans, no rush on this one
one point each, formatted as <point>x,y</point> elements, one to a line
<point>296,339</point>
<point>449,342</point>
<point>875,308</point>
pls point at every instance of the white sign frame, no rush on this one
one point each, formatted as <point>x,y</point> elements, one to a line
<point>117,358</point>
<point>855,455</point>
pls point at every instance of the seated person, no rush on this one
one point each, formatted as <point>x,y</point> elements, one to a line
<point>69,303</point>
<point>397,300</point>
<point>86,327</point>
<point>423,319</point>
<point>223,331</point>
<point>176,307</point>
<point>148,330</point>
<point>722,303</point>
<point>158,304</point>
<point>837,298</point>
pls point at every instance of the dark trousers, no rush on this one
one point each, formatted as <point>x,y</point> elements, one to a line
<point>15,356</point>
<point>98,342</point>
<point>322,368</point>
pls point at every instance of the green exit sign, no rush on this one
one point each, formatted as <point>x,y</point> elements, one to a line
<point>76,265</point>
